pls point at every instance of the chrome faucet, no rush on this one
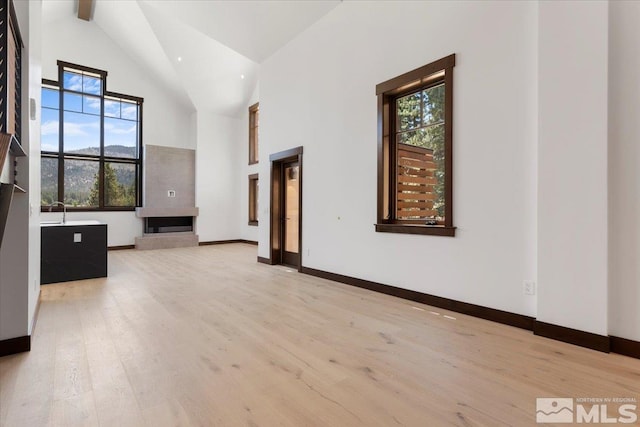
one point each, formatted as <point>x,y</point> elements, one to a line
<point>64,210</point>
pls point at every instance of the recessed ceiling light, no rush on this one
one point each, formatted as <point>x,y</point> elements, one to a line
<point>242,76</point>
<point>179,58</point>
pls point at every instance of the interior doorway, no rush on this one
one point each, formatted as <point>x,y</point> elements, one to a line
<point>286,207</point>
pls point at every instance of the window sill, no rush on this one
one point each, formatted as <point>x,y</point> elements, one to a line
<point>432,230</point>
<point>254,223</point>
<point>253,162</point>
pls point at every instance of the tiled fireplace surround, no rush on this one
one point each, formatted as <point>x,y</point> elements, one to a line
<point>169,191</point>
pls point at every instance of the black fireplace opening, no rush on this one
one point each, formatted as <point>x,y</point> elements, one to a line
<point>168,224</point>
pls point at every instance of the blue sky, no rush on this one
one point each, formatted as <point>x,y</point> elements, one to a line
<point>82,120</point>
<point>82,83</point>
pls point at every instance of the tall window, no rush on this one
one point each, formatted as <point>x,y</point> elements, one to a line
<point>91,142</point>
<point>415,114</point>
<point>253,133</point>
<point>253,199</point>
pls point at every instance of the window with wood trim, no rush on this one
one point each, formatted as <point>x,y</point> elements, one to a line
<point>254,112</point>
<point>415,123</point>
<point>91,142</point>
<point>253,199</point>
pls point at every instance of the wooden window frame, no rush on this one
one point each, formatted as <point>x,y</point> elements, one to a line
<point>102,159</point>
<point>253,133</point>
<point>253,199</point>
<point>440,71</point>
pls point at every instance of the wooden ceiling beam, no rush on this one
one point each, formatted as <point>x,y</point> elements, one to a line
<point>84,9</point>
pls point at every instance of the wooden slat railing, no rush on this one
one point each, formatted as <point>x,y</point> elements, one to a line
<point>415,183</point>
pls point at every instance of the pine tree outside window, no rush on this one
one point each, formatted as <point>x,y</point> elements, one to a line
<point>91,142</point>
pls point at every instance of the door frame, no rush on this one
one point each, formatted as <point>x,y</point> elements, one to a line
<point>276,202</point>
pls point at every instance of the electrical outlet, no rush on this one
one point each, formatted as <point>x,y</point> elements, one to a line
<point>529,288</point>
<point>171,193</point>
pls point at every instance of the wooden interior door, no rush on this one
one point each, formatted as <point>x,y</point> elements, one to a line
<point>290,213</point>
<point>285,231</point>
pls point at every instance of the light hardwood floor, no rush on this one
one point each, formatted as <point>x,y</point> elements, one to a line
<point>207,337</point>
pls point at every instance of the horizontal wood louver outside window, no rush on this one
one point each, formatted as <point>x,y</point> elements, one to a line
<point>416,183</point>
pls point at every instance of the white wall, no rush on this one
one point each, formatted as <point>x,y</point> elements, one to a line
<point>217,179</point>
<point>319,92</point>
<point>165,121</point>
<point>14,271</point>
<point>624,170</point>
<point>572,156</point>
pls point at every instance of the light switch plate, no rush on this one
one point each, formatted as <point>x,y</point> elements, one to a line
<point>77,237</point>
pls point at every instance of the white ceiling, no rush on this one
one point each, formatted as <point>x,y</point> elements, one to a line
<point>255,29</point>
<point>116,19</point>
<point>217,41</point>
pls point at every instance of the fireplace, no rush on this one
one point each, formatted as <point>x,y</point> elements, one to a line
<point>168,224</point>
<point>169,213</point>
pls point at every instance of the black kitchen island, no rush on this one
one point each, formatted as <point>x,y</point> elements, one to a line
<point>72,250</point>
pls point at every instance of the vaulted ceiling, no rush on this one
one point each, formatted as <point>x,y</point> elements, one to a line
<point>205,51</point>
